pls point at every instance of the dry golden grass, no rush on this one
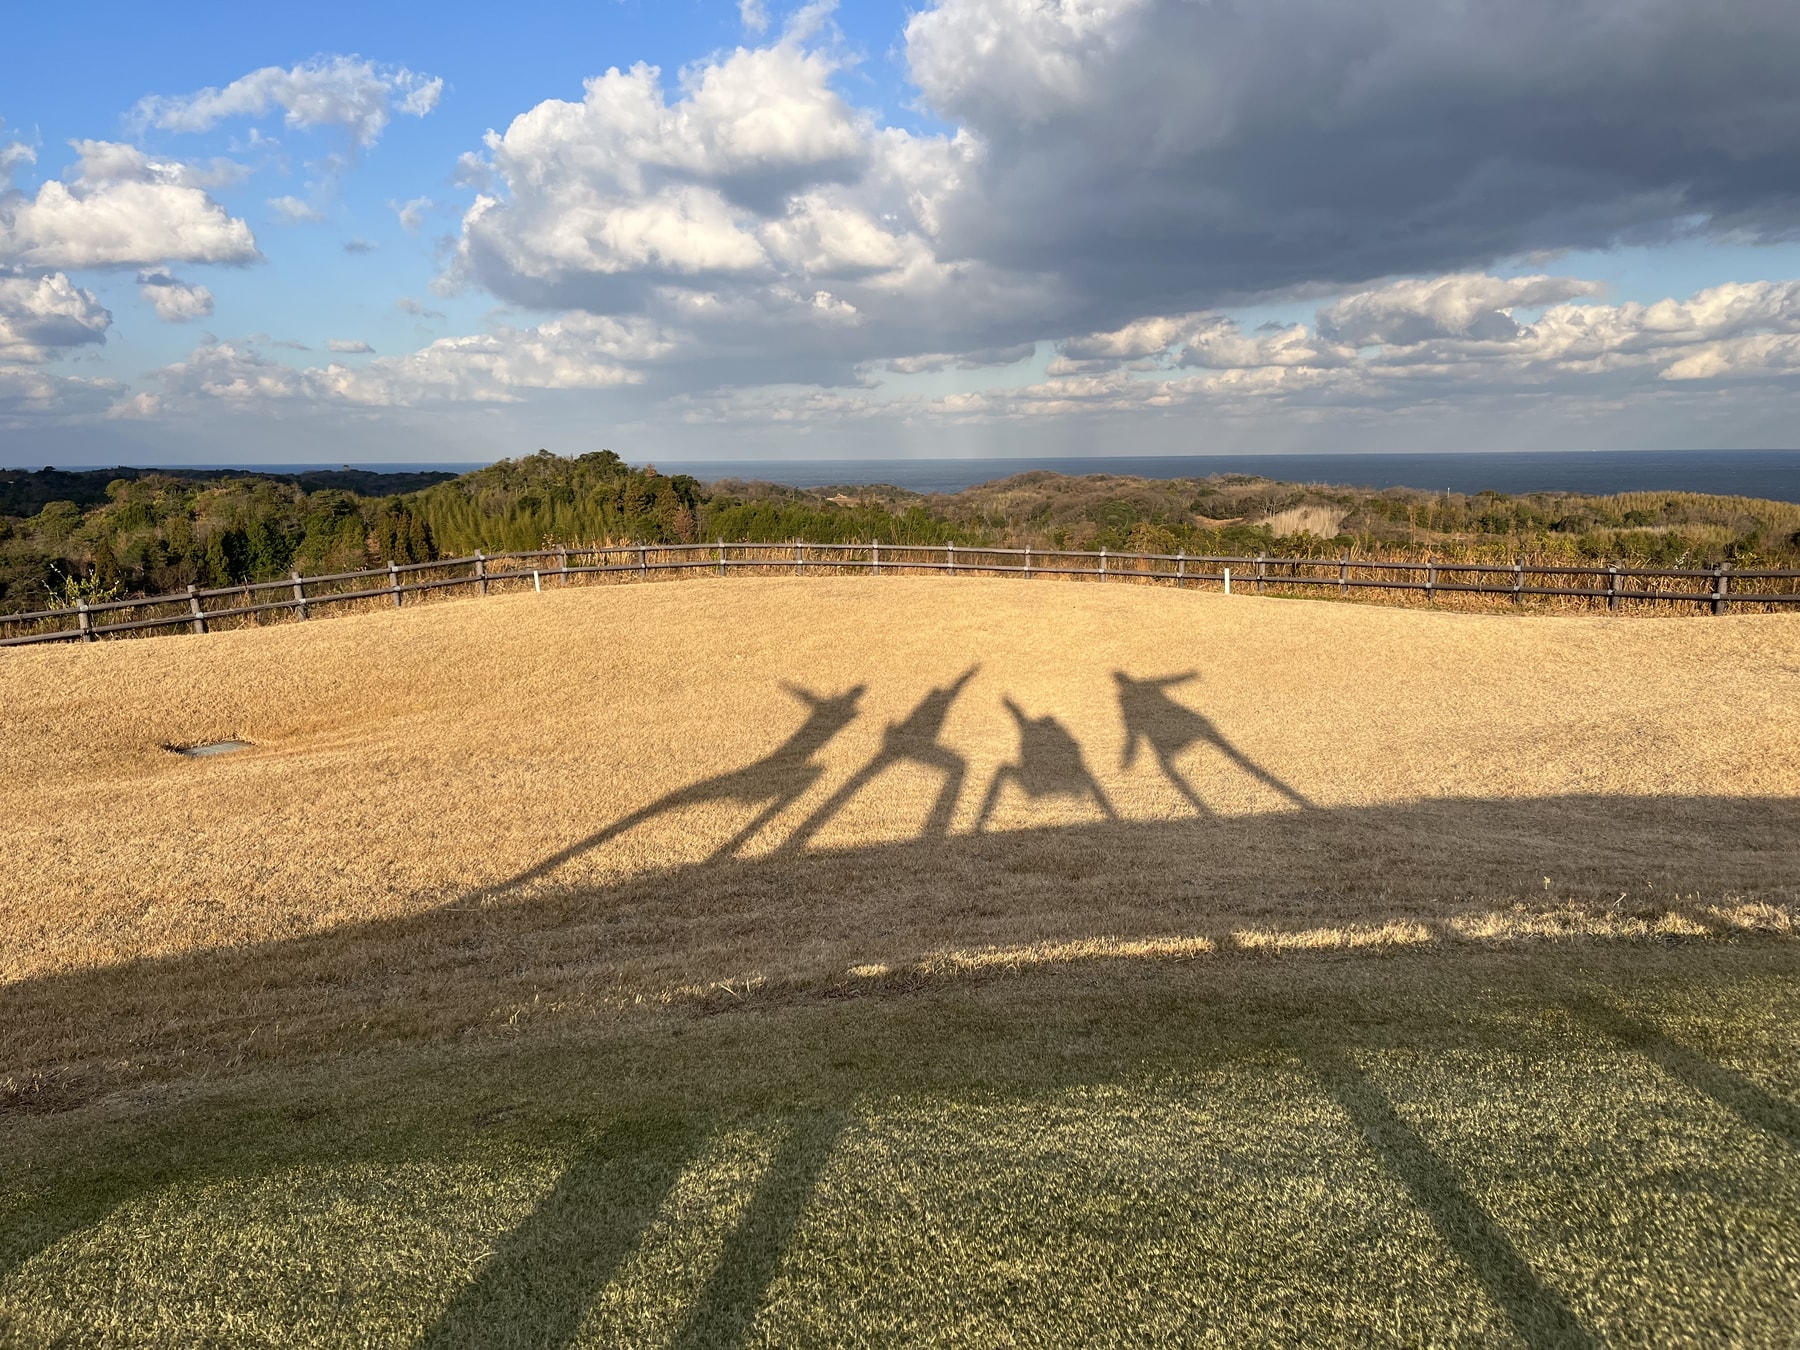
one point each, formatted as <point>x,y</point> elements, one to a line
<point>1320,520</point>
<point>421,842</point>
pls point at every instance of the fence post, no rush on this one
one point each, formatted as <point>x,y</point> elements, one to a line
<point>1518,581</point>
<point>1180,568</point>
<point>562,568</point>
<point>299,593</point>
<point>1228,581</point>
<point>877,556</point>
<point>721,557</point>
<point>394,581</point>
<point>537,584</point>
<point>644,563</point>
<point>1262,571</point>
<point>81,618</point>
<point>481,570</point>
<point>1344,574</point>
<point>1028,562</point>
<point>199,619</point>
<point>1612,587</point>
<point>799,559</point>
<point>1103,566</point>
<point>1430,579</point>
<point>1719,587</point>
<point>951,555</point>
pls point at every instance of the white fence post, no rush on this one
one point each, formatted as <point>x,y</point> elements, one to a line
<point>394,581</point>
<point>199,616</point>
<point>299,593</point>
<point>1228,581</point>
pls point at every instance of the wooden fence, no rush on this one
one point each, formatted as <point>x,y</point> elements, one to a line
<point>1714,590</point>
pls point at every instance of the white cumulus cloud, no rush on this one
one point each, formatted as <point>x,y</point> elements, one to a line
<point>1466,306</point>
<point>40,316</point>
<point>174,301</point>
<point>328,91</point>
<point>123,209</point>
<point>574,353</point>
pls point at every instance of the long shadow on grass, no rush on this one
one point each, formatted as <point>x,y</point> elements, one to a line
<point>1539,1316</point>
<point>1017,1041</point>
<point>1154,719</point>
<point>537,1287</point>
<point>725,1309</point>
<point>442,973</point>
<point>912,740</point>
<point>1050,764</point>
<point>1756,1107</point>
<point>774,782</point>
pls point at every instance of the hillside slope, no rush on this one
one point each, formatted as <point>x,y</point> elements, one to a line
<point>875,961</point>
<point>509,810</point>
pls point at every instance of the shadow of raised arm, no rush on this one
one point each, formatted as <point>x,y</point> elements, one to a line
<point>912,740</point>
<point>1156,720</point>
<point>1050,764</point>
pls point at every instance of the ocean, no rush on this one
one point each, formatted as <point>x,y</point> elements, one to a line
<point>1744,473</point>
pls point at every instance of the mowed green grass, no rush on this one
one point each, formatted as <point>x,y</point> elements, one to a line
<point>1545,1144</point>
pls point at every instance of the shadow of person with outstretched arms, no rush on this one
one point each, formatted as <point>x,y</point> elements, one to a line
<point>774,782</point>
<point>1050,764</point>
<point>912,740</point>
<point>1154,719</point>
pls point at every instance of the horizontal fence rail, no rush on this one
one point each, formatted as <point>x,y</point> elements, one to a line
<point>1714,589</point>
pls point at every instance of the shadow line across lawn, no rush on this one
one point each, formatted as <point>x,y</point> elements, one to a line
<point>630,1109</point>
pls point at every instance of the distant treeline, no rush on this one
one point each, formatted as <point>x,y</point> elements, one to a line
<point>97,534</point>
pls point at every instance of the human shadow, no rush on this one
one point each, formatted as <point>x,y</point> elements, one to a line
<point>1754,1105</point>
<point>724,1311</point>
<point>536,1288</point>
<point>1537,1312</point>
<point>912,740</point>
<point>1155,719</point>
<point>1050,764</point>
<point>774,782</point>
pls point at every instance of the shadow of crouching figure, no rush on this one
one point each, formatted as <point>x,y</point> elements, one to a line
<point>774,782</point>
<point>1050,764</point>
<point>1168,728</point>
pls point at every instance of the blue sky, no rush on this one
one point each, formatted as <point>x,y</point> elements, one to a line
<point>387,233</point>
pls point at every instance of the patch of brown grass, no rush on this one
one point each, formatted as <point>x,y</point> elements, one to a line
<point>422,841</point>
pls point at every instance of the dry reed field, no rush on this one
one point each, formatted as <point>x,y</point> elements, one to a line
<point>630,918</point>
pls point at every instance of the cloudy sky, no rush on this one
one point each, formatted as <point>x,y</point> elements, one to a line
<point>380,233</point>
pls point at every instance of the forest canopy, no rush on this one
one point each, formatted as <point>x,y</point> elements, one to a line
<point>69,535</point>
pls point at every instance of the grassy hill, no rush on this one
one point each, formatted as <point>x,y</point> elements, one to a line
<point>825,961</point>
<point>103,534</point>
